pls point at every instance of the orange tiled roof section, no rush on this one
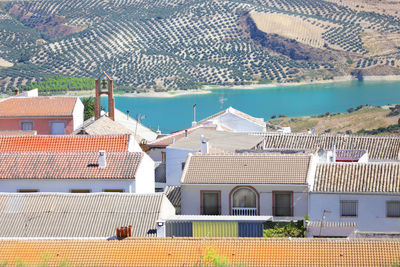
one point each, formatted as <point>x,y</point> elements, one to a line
<point>60,144</point>
<point>68,165</point>
<point>246,169</point>
<point>194,251</point>
<point>37,107</point>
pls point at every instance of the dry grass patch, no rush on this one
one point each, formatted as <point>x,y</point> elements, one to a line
<point>5,63</point>
<point>367,118</point>
<point>378,43</point>
<point>290,27</point>
<point>387,7</point>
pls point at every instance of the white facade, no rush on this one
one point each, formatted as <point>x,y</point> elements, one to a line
<point>191,200</point>
<point>236,123</point>
<point>175,157</point>
<point>78,114</point>
<point>66,185</point>
<point>143,183</point>
<point>371,211</point>
<point>156,153</point>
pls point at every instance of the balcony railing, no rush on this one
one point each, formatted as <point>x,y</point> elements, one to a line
<point>244,211</point>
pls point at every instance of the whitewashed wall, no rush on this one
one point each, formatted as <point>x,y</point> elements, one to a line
<point>175,157</point>
<point>190,200</point>
<point>238,124</point>
<point>155,153</point>
<point>371,210</point>
<point>77,114</point>
<point>145,176</point>
<point>65,185</point>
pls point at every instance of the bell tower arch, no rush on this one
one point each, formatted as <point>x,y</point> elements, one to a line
<point>104,86</point>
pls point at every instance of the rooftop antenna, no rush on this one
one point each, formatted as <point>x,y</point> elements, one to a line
<point>139,117</point>
<point>127,114</point>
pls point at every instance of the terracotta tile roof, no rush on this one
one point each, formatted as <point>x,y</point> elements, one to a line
<point>246,169</point>
<point>258,121</point>
<point>387,148</point>
<point>168,139</point>
<point>67,143</point>
<point>194,251</point>
<point>51,215</point>
<point>52,106</point>
<point>357,177</point>
<point>68,165</point>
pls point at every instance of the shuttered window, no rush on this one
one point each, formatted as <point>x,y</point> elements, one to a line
<point>27,126</point>
<point>283,205</point>
<point>80,190</point>
<point>348,208</point>
<point>393,208</point>
<point>210,203</point>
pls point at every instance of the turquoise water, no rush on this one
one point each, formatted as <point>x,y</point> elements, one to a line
<point>171,114</point>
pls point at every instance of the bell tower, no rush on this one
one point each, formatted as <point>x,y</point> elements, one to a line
<point>104,85</point>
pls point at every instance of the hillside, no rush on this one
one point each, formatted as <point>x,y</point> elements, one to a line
<point>356,120</point>
<point>164,44</point>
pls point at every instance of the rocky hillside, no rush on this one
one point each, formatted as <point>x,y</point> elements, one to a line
<point>167,44</point>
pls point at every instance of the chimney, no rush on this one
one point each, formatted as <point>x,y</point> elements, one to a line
<point>194,123</point>
<point>102,159</point>
<point>16,92</point>
<point>204,146</point>
<point>123,232</point>
<point>186,133</point>
<point>173,140</point>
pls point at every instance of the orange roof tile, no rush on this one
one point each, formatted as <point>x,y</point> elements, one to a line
<point>194,252</point>
<point>68,165</point>
<point>37,107</point>
<point>67,143</point>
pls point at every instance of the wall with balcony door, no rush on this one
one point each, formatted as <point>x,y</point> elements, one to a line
<point>238,199</point>
<point>41,126</point>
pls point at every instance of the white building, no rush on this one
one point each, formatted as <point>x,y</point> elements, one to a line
<point>246,184</point>
<point>214,141</point>
<point>365,193</point>
<point>234,120</point>
<point>129,172</point>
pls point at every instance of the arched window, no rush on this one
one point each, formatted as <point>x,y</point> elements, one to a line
<point>244,201</point>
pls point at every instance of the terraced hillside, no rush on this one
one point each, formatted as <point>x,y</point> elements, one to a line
<point>168,44</point>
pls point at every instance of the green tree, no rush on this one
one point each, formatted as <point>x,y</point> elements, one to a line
<point>88,103</point>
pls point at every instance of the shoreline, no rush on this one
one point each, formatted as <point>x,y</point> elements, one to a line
<point>207,89</point>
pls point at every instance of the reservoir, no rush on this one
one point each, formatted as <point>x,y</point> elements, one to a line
<point>175,113</point>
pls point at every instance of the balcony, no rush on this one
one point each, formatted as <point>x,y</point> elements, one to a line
<point>244,211</point>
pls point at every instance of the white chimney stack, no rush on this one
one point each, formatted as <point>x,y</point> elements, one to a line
<point>102,159</point>
<point>204,146</point>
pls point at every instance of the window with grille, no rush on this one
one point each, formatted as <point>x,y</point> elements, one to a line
<point>282,203</point>
<point>210,203</point>
<point>393,208</point>
<point>26,126</point>
<point>348,208</point>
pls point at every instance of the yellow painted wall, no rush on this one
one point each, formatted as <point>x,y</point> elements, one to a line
<point>215,229</point>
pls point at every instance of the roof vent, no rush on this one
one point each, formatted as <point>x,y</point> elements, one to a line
<point>102,159</point>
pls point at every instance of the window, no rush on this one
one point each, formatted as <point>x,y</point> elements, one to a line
<point>163,156</point>
<point>80,190</point>
<point>244,202</point>
<point>26,126</point>
<point>282,203</point>
<point>348,208</point>
<point>114,190</point>
<point>210,202</point>
<point>27,190</point>
<point>183,165</point>
<point>57,127</point>
<point>393,208</point>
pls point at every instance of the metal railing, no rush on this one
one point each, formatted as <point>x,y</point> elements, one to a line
<point>244,211</point>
